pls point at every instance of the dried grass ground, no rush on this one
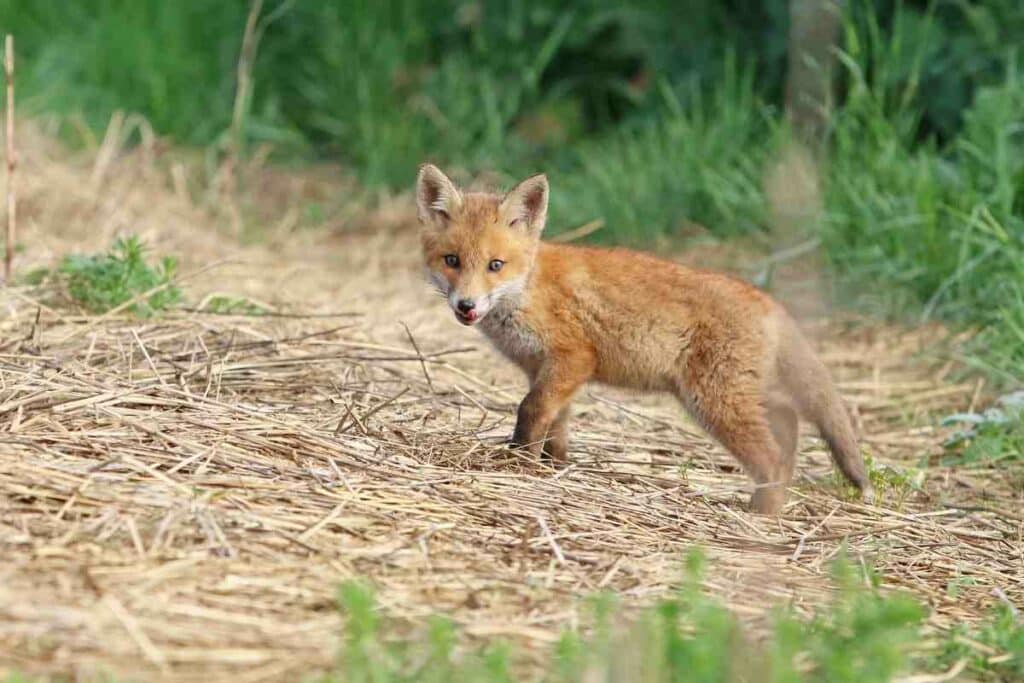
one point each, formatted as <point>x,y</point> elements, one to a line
<point>180,497</point>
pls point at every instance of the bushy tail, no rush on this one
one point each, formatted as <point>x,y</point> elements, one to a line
<point>809,384</point>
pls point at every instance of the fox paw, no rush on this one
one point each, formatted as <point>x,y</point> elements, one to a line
<point>768,500</point>
<point>867,494</point>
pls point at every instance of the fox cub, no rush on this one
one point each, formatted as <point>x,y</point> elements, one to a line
<point>568,315</point>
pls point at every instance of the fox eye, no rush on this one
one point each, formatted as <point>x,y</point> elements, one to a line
<point>495,265</point>
<point>451,260</point>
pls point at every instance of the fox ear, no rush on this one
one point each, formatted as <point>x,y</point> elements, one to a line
<point>526,204</point>
<point>436,195</point>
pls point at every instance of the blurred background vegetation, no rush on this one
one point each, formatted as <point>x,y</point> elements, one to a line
<point>661,119</point>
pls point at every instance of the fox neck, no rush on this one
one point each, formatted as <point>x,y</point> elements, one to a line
<point>508,330</point>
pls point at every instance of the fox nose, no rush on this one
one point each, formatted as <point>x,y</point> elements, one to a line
<point>466,305</point>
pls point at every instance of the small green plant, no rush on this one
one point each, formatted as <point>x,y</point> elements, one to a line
<point>101,282</point>
<point>35,277</point>
<point>370,656</point>
<point>16,678</point>
<point>865,635</point>
<point>893,485</point>
<point>232,305</point>
<point>994,435</point>
<point>898,483</point>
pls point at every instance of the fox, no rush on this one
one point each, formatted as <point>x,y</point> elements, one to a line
<point>568,315</point>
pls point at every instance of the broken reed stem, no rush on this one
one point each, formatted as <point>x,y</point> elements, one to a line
<point>244,75</point>
<point>251,36</point>
<point>225,187</point>
<point>12,223</point>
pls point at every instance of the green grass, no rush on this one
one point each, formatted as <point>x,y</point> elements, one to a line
<point>1002,635</point>
<point>652,118</point>
<point>173,64</point>
<point>865,635</point>
<point>701,163</point>
<point>104,281</point>
<point>937,230</point>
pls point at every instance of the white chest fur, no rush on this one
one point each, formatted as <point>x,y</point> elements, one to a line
<point>511,336</point>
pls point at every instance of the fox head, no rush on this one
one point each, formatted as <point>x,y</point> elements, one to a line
<point>479,247</point>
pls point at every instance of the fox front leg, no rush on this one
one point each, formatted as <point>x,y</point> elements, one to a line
<point>533,422</point>
<point>541,422</point>
<point>556,447</point>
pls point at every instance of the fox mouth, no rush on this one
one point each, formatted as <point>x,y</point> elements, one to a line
<point>467,319</point>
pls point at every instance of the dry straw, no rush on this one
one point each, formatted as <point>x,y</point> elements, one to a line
<point>181,496</point>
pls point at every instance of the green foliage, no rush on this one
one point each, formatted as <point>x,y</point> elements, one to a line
<point>998,349</point>
<point>923,228</point>
<point>864,637</point>
<point>34,277</point>
<point>16,678</point>
<point>101,282</point>
<point>939,53</point>
<point>485,83</point>
<point>893,483</point>
<point>990,437</point>
<point>370,656</point>
<point>1002,635</point>
<point>1005,634</point>
<point>712,176</point>
<point>653,118</point>
<point>171,62</point>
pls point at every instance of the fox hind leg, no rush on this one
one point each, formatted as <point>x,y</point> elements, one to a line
<point>743,426</point>
<point>785,425</point>
<point>751,441</point>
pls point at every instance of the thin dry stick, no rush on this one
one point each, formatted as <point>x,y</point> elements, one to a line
<point>12,223</point>
<point>419,354</point>
<point>579,232</point>
<point>131,625</point>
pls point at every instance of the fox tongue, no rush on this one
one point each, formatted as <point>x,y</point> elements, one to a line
<point>470,315</point>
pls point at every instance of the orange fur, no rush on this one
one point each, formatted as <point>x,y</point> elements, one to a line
<point>568,315</point>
